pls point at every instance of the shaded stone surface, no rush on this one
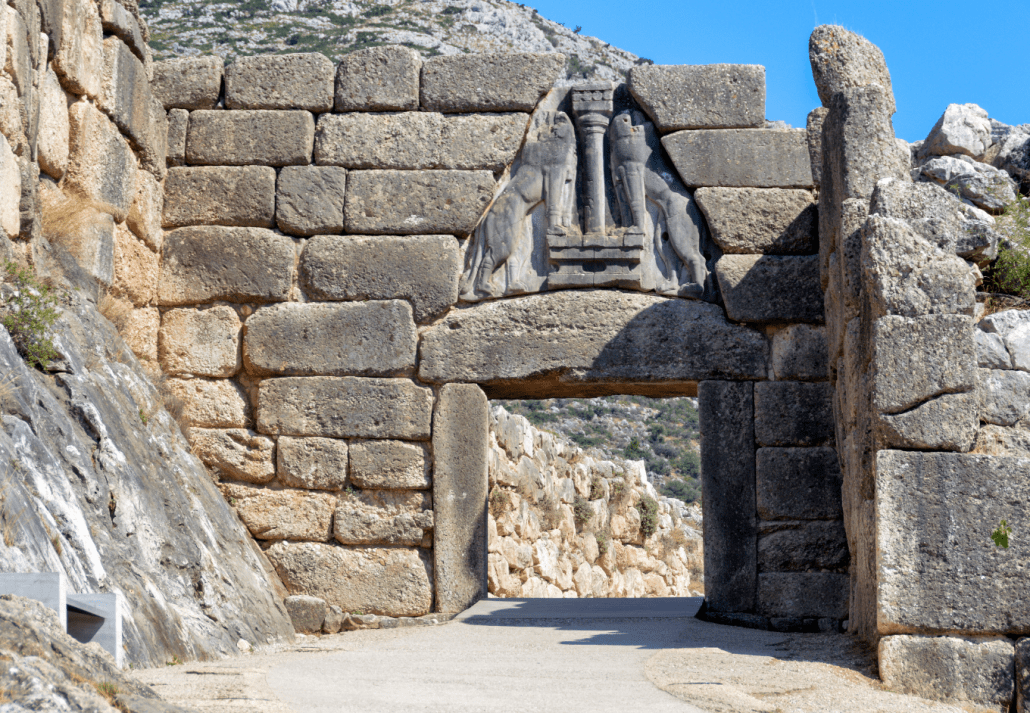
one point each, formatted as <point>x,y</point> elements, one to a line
<point>355,339</point>
<point>767,288</point>
<point>770,221</point>
<point>252,137</point>
<point>793,413</point>
<point>188,82</point>
<point>939,570</point>
<point>582,339</point>
<point>306,613</point>
<point>342,407</point>
<point>291,81</point>
<point>798,484</point>
<point>803,594</point>
<point>799,352</point>
<point>726,411</point>
<point>785,546</point>
<point>313,463</point>
<point>127,99</point>
<point>461,423</point>
<point>220,195</point>
<point>422,269</point>
<point>700,96</point>
<point>390,465</point>
<point>383,517</point>
<point>378,79</point>
<point>178,122</point>
<point>488,82</point>
<point>756,158</point>
<point>309,199</point>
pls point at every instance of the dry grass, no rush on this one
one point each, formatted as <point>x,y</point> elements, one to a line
<point>6,390</point>
<point>117,311</point>
<point>68,218</point>
<point>171,402</point>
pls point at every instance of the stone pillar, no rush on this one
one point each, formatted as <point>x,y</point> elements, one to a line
<point>592,105</point>
<point>727,415</point>
<point>461,425</point>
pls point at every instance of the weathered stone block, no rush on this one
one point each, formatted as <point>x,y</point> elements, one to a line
<point>1001,441</point>
<point>702,96</point>
<point>309,199</point>
<point>977,670</point>
<point>488,82</point>
<point>220,195</point>
<point>422,269</point>
<point>101,166</point>
<point>282,514</point>
<point>19,62</point>
<point>345,407</point>
<point>238,453</point>
<point>291,81</point>
<point>126,98</point>
<point>579,340</point>
<point>771,221</point>
<point>140,332</point>
<point>313,463</point>
<point>240,138</point>
<point>946,423</point>
<point>90,239</point>
<point>793,413</point>
<point>117,20</point>
<point>901,375</point>
<point>178,122</point>
<point>144,217</point>
<point>814,130</point>
<point>798,484</point>
<point>206,263</point>
<point>1003,397</point>
<point>726,410</point>
<point>188,83</point>
<point>212,403</point>
<point>355,339</point>
<point>939,570</point>
<point>200,342</point>
<point>135,268</point>
<point>461,425</point>
<point>53,135</point>
<point>306,613</point>
<point>390,465</point>
<point>799,351</point>
<point>378,79</point>
<point>10,196</point>
<point>842,59</point>
<point>767,288</point>
<point>803,594</point>
<point>383,517</point>
<point>802,546</point>
<point>389,581</point>
<point>416,202</point>
<point>78,38</point>
<point>755,158</point>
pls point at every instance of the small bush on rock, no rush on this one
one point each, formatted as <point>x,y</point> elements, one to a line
<point>500,500</point>
<point>581,511</point>
<point>29,313</point>
<point>1010,273</point>
<point>604,543</point>
<point>648,516</point>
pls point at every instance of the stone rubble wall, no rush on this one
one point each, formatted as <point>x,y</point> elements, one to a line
<point>563,524</point>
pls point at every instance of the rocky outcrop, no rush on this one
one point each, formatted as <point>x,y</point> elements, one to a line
<point>563,524</point>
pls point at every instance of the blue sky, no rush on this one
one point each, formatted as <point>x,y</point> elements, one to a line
<point>938,53</point>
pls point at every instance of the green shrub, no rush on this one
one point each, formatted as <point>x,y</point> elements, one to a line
<point>29,316</point>
<point>648,516</point>
<point>581,511</point>
<point>377,11</point>
<point>604,543</point>
<point>596,489</point>
<point>1010,273</point>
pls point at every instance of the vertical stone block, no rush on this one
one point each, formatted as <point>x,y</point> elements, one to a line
<point>10,193</point>
<point>727,411</point>
<point>52,139</point>
<point>101,165</point>
<point>461,424</point>
<point>178,121</point>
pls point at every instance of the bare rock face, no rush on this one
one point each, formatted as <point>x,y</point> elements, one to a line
<point>842,60</point>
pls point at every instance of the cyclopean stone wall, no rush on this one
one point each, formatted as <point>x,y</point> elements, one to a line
<point>357,256</point>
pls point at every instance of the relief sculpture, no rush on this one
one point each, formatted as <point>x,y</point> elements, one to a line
<point>627,221</point>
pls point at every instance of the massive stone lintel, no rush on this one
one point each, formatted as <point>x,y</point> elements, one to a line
<point>705,96</point>
<point>581,342</point>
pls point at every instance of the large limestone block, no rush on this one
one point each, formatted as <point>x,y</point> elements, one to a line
<point>770,288</point>
<point>10,194</point>
<point>378,79</point>
<point>999,441</point>
<point>461,444</point>
<point>144,217</point>
<point>126,98</point>
<point>54,128</point>
<point>1003,396</point>
<point>117,20</point>
<point>420,140</point>
<point>136,267</point>
<point>307,614</point>
<point>19,63</point>
<point>238,453</point>
<point>909,276</point>
<point>771,221</point>
<point>902,374</point>
<point>309,199</point>
<point>313,463</point>
<point>793,413</point>
<point>488,82</point>
<point>189,82</point>
<point>842,59</point>
<point>803,594</point>
<point>253,137</point>
<point>282,514</point>
<point>202,342</point>
<point>962,670</point>
<point>802,546</point>
<point>345,407</point>
<point>798,484</point>
<point>416,202</point>
<point>726,411</point>
<point>347,339</point>
<point>291,81</point>
<point>946,423</point>
<point>799,352</point>
<point>389,581</point>
<point>78,47</point>
<point>178,122</point>
<point>390,465</point>
<point>582,339</point>
<point>212,403</point>
<point>938,569</point>
<point>422,269</point>
<point>383,517</point>
<point>702,96</point>
<point>220,195</point>
<point>743,158</point>
<point>101,166</point>
<point>204,263</point>
<point>963,129</point>
<point>140,332</point>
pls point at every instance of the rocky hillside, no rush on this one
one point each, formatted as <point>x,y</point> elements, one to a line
<point>337,27</point>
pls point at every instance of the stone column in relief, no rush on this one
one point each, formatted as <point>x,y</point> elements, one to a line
<point>460,449</point>
<point>726,410</point>
<point>592,105</point>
